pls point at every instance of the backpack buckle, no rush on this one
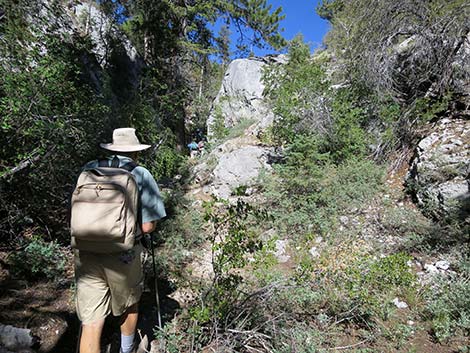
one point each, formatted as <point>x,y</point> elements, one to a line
<point>98,188</point>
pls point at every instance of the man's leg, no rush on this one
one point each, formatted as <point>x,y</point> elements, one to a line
<point>128,326</point>
<point>91,336</point>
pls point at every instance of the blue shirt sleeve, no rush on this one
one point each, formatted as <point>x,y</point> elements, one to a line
<point>151,200</point>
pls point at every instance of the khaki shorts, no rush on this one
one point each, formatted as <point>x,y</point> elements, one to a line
<point>107,283</point>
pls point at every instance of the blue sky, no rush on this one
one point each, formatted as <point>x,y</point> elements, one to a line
<point>300,18</point>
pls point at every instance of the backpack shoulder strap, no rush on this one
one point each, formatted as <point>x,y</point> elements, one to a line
<point>115,164</point>
<point>129,166</point>
<point>104,162</point>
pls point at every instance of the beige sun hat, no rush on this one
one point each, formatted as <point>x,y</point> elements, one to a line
<point>124,140</point>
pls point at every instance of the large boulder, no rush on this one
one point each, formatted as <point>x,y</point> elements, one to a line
<point>241,96</point>
<point>235,163</point>
<point>439,173</point>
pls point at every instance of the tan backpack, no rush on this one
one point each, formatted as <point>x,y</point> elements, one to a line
<point>104,209</point>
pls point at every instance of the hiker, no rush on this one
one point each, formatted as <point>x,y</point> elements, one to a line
<point>193,149</point>
<point>112,282</point>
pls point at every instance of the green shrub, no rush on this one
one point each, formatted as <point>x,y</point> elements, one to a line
<point>300,339</point>
<point>39,260</point>
<point>239,129</point>
<point>449,307</point>
<point>366,287</point>
<point>308,191</point>
<point>166,162</point>
<point>218,126</point>
<point>296,90</point>
<point>348,138</point>
<point>182,231</point>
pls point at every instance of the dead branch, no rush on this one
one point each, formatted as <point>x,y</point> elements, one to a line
<point>35,157</point>
<point>340,348</point>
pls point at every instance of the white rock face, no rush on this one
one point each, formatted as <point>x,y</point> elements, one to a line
<point>439,173</point>
<point>241,95</point>
<point>93,22</point>
<point>237,168</point>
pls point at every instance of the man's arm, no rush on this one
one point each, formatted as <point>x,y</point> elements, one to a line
<point>148,227</point>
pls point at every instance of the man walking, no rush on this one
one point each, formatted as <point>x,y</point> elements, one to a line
<point>112,282</point>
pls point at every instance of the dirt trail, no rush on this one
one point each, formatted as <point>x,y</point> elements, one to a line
<point>47,309</point>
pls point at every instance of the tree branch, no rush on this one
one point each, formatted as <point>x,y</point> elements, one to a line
<point>26,163</point>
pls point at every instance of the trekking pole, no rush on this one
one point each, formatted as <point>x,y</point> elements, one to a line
<point>77,348</point>
<point>157,298</point>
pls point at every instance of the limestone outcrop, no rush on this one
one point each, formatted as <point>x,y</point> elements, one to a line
<point>109,47</point>
<point>439,173</point>
<point>235,163</point>
<point>241,96</point>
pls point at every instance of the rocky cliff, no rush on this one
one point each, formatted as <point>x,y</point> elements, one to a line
<point>241,96</point>
<point>108,50</point>
<point>440,171</point>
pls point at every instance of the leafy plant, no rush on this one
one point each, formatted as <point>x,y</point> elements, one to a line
<point>39,260</point>
<point>449,307</point>
<point>233,243</point>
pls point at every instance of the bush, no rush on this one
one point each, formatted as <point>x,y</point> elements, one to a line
<point>308,191</point>
<point>180,232</point>
<point>296,91</point>
<point>39,260</point>
<point>449,307</point>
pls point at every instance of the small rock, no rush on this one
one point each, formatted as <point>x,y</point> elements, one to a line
<point>281,252</point>
<point>431,268</point>
<point>399,304</point>
<point>442,265</point>
<point>186,253</point>
<point>344,220</point>
<point>314,252</point>
<point>249,191</point>
<point>410,322</point>
<point>318,240</point>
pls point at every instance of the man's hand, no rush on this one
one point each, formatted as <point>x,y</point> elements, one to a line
<point>148,227</point>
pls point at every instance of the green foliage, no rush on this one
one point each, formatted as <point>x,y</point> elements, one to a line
<point>304,104</point>
<point>182,230</point>
<point>51,122</point>
<point>425,109</point>
<point>239,240</point>
<point>301,338</point>
<point>295,89</point>
<point>218,126</point>
<point>239,129</point>
<point>373,282</point>
<point>39,260</point>
<point>348,138</point>
<point>308,191</point>
<point>172,341</point>
<point>328,9</point>
<point>233,243</point>
<point>449,307</point>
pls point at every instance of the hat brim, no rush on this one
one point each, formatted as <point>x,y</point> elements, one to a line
<point>124,148</point>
